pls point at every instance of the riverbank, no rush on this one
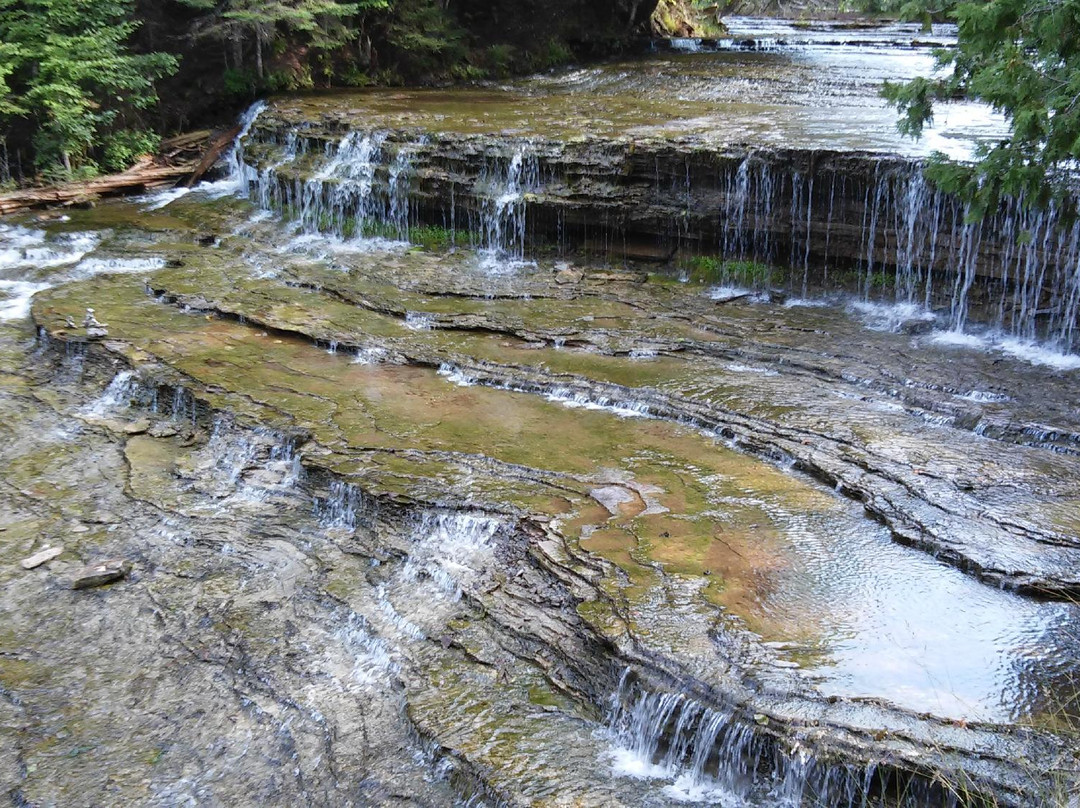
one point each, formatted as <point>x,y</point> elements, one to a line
<point>181,161</point>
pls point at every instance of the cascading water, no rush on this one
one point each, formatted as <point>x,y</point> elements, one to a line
<point>353,168</point>
<point>503,188</point>
<point>749,193</point>
<point>1016,271</point>
<point>116,397</point>
<point>572,399</point>
<point>24,254</point>
<point>398,187</point>
<point>231,450</point>
<point>346,507</point>
<point>185,407</point>
<point>715,756</point>
<point>822,218</point>
<point>238,173</point>
<point>362,188</point>
<point>447,545</point>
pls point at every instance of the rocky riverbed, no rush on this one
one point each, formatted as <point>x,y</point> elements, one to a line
<point>308,514</point>
<point>524,485</point>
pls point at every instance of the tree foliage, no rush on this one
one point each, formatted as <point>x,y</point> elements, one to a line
<point>1023,58</point>
<point>80,79</point>
<point>64,65</point>
<point>322,25</point>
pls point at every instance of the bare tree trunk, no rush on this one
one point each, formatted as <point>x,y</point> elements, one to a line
<point>5,163</point>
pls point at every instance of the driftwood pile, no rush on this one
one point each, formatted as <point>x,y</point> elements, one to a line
<point>182,160</point>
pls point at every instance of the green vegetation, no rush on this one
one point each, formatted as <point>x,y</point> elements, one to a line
<point>67,76</point>
<point>90,85</point>
<point>433,238</point>
<point>874,6</point>
<point>688,18</point>
<point>1022,58</point>
<point>318,25</point>
<point>712,269</point>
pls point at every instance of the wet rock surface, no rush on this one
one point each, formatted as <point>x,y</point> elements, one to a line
<point>101,573</point>
<point>482,565</point>
<point>299,641</point>
<point>446,523</point>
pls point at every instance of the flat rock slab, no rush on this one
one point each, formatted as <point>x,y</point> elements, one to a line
<point>616,499</point>
<point>41,557</point>
<point>104,572</point>
<point>138,427</point>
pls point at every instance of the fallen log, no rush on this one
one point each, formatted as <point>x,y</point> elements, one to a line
<point>140,178</point>
<point>189,141</point>
<point>184,160</point>
<point>213,152</point>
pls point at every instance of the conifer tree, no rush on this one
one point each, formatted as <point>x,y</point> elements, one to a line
<point>1023,58</point>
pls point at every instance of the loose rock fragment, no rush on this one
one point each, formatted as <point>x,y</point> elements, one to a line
<point>569,274</point>
<point>41,557</point>
<point>164,429</point>
<point>104,572</point>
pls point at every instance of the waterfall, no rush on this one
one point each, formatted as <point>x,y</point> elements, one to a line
<point>339,198</point>
<point>184,406</point>
<point>354,168</point>
<point>359,189</point>
<point>827,219</point>
<point>503,189</point>
<point>750,193</point>
<point>398,188</point>
<point>1016,272</point>
<point>232,450</point>
<point>265,190</point>
<point>447,545</point>
<point>117,396</point>
<point>251,464</point>
<point>685,45</point>
<point>239,175</point>
<point>369,356</point>
<point>346,507</point>
<point>714,755</point>
<point>89,267</point>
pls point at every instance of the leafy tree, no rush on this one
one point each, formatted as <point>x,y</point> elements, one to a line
<point>322,25</point>
<point>64,65</point>
<point>9,61</point>
<point>423,39</point>
<point>1023,58</point>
